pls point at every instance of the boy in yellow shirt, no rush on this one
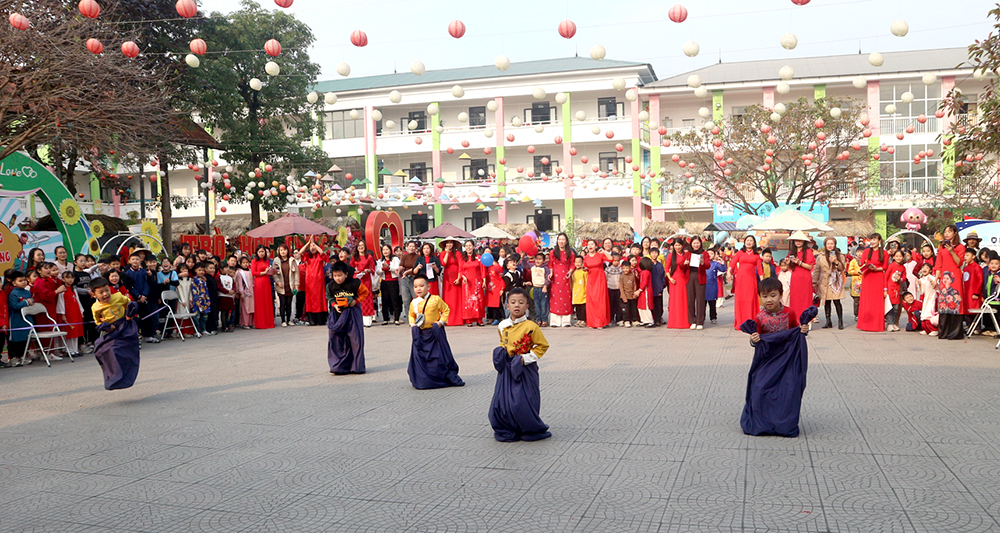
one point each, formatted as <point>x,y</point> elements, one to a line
<point>579,280</point>
<point>432,366</point>
<point>516,396</point>
<point>117,349</point>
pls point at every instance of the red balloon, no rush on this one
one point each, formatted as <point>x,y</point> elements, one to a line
<point>678,13</point>
<point>456,29</point>
<point>284,3</point>
<point>272,47</point>
<point>527,245</point>
<point>95,46</point>
<point>89,9</point>
<point>187,8</point>
<point>130,49</point>
<point>567,29</point>
<point>198,47</point>
<point>358,38</point>
<point>19,21</point>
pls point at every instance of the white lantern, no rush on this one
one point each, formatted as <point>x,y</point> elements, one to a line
<point>312,97</point>
<point>979,74</point>
<point>899,28</point>
<point>502,63</point>
<point>701,92</point>
<point>272,68</point>
<point>354,114</point>
<point>192,61</point>
<point>516,122</point>
<point>457,91</point>
<point>538,93</point>
<point>390,124</point>
<point>694,81</point>
<point>643,116</point>
<point>631,95</point>
<point>412,125</point>
<point>343,69</point>
<point>229,169</point>
<point>395,97</point>
<point>860,82</point>
<point>835,112</point>
<point>704,112</point>
<point>783,87</point>
<point>876,59</point>
<point>417,68</point>
<point>596,130</point>
<point>256,84</point>
<point>597,52</point>
<point>492,106</point>
<point>581,115</point>
<point>439,128</point>
<point>775,117</point>
<point>789,41</point>
<point>780,108</point>
<point>539,128</point>
<point>433,109</point>
<point>786,72</point>
<point>248,196</point>
<point>161,173</point>
<point>930,78</point>
<point>463,117</point>
<point>260,184</point>
<point>906,98</point>
<point>330,98</point>
<point>618,84</point>
<point>561,98</point>
<point>488,132</point>
<point>890,109</point>
<point>691,49</point>
<point>376,115</point>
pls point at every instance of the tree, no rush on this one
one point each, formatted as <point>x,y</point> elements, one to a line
<point>806,156</point>
<point>268,127</point>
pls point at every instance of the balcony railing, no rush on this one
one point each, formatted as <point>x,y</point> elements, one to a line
<point>908,186</point>
<point>893,125</point>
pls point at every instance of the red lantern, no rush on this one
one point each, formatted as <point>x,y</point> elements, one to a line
<point>465,144</point>
<point>502,160</point>
<point>510,137</point>
<point>198,47</point>
<point>716,130</point>
<point>531,149</point>
<point>267,168</point>
<point>876,156</point>
<point>272,47</point>
<point>358,38</point>
<point>520,170</point>
<point>284,3</point>
<point>130,49</point>
<point>456,29</point>
<point>418,140</point>
<point>595,168</point>
<point>89,8</point>
<point>572,151</point>
<point>910,129</point>
<point>558,139</point>
<point>187,8</point>
<point>678,13</point>
<point>899,136</point>
<point>567,29</point>
<point>765,129</point>
<point>820,123</point>
<point>583,159</point>
<point>769,152</point>
<point>487,150</point>
<point>675,158</point>
<point>939,113</point>
<point>348,176</point>
<point>558,170</point>
<point>19,21</point>
<point>545,161</point>
<point>223,209</point>
<point>619,147</point>
<point>628,159</point>
<point>821,136</point>
<point>666,143</point>
<point>609,134</point>
<point>450,150</point>
<point>95,46</point>
<point>772,139</point>
<point>152,178</point>
<point>800,2</point>
<point>922,118</point>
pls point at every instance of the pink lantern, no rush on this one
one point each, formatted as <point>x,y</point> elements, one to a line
<point>545,161</point>
<point>666,143</point>
<point>675,158</point>
<point>272,47</point>
<point>198,47</point>
<point>520,170</point>
<point>95,46</point>
<point>531,149</point>
<point>610,134</point>
<point>765,129</point>
<point>89,8</point>
<point>922,118</point>
<point>567,29</point>
<point>487,150</point>
<point>358,38</point>
<point>635,168</point>
<point>867,132</point>
<point>572,151</point>
<point>130,49</point>
<point>502,160</point>
<point>939,113</point>
<point>678,13</point>
<point>821,136</point>
<point>450,150</point>
<point>419,140</point>
<point>628,159</point>
<point>820,123</point>
<point>899,136</point>
<point>284,3</point>
<point>662,130</point>
<point>584,159</point>
<point>510,137</point>
<point>595,168</point>
<point>456,29</point>
<point>558,139</point>
<point>800,2</point>
<point>910,129</point>
<point>619,147</point>
<point>19,21</point>
<point>772,139</point>
<point>465,144</point>
<point>187,8</point>
<point>716,130</point>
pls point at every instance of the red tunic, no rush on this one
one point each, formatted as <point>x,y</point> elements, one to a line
<point>73,315</point>
<point>745,269</point>
<point>949,293</point>
<point>781,321</point>
<point>451,292</point>
<point>677,307</point>
<point>646,286</point>
<point>973,283</point>
<point>473,299</point>
<point>892,285</point>
<point>363,269</point>
<point>871,308</point>
<point>597,291</point>
<point>315,282</point>
<point>800,290</point>
<point>560,292</point>
<point>263,296</point>
<point>494,286</point>
<point>43,292</point>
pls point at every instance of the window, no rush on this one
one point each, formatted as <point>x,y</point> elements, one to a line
<point>542,168</point>
<point>340,125</point>
<point>609,161</point>
<point>472,170</point>
<point>899,175</point>
<point>477,220</point>
<point>544,220</point>
<point>667,123</point>
<point>609,214</point>
<point>355,166</point>
<point>687,124</point>
<point>925,99</point>
<point>540,113</point>
<point>419,171</point>
<point>416,225</point>
<point>610,109</point>
<point>421,118</point>
<point>477,116</point>
<point>738,112</point>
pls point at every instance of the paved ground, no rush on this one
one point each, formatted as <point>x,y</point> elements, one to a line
<point>248,432</point>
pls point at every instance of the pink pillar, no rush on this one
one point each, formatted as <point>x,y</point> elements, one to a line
<point>654,135</point>
<point>769,97</point>
<point>636,178</point>
<point>873,110</point>
<point>116,203</point>
<point>371,162</point>
<point>947,84</point>
<point>501,152</point>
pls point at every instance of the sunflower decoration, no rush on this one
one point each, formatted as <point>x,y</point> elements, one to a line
<point>93,246</point>
<point>69,212</point>
<point>97,229</point>
<point>149,227</point>
<point>154,246</point>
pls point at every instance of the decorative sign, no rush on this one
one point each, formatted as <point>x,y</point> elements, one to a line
<point>378,221</point>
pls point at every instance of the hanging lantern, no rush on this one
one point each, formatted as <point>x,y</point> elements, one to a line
<point>343,69</point>
<point>694,81</point>
<point>859,82</point>
<point>95,46</point>
<point>538,93</point>
<point>899,28</point>
<point>789,41</point>
<point>502,63</point>
<point>255,83</point>
<point>786,72</point>
<point>358,38</point>
<point>800,2</point>
<point>130,49</point>
<point>492,106</point>
<point>272,68</point>
<point>531,149</point>
<point>417,68</point>
<point>598,52</point>
<point>456,29</point>
<point>783,88</point>
<point>19,21</point>
<point>678,13</point>
<point>567,29</point>
<point>192,61</point>
<point>330,98</point>
<point>187,8</point>
<point>395,97</point>
<point>876,59</point>
<point>89,9</point>
<point>272,47</point>
<point>198,47</point>
<point>284,3</point>
<point>906,98</point>
<point>618,84</point>
<point>457,91</point>
<point>312,97</point>
<point>701,92</point>
<point>691,49</point>
<point>609,134</point>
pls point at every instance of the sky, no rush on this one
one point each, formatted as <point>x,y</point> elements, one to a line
<point>402,31</point>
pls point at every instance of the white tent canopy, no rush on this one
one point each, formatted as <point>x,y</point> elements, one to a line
<point>791,221</point>
<point>489,231</point>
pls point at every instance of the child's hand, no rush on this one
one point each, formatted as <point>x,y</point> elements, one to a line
<point>804,328</point>
<point>755,337</point>
<point>61,289</point>
<point>30,302</point>
<point>545,290</point>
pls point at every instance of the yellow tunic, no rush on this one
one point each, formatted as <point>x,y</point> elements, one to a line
<point>580,286</point>
<point>511,333</point>
<point>111,311</point>
<point>437,310</point>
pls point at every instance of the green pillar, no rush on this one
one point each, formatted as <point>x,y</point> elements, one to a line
<point>315,136</point>
<point>95,192</point>
<point>352,212</point>
<point>718,107</point>
<point>655,197</point>
<point>567,121</point>
<point>948,163</point>
<point>819,92</point>
<point>874,174</point>
<point>436,164</point>
<point>881,222</point>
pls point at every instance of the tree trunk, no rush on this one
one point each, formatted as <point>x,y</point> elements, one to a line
<point>166,210</point>
<point>254,213</point>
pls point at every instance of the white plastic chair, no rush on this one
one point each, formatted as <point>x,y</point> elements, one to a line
<point>37,335</point>
<point>175,320</point>
<point>985,309</point>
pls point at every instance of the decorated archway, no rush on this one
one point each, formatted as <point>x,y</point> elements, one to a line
<point>20,176</point>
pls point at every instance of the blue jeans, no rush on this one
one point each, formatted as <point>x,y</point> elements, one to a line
<point>541,304</point>
<point>200,322</point>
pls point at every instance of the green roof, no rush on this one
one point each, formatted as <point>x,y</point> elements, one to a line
<point>527,68</point>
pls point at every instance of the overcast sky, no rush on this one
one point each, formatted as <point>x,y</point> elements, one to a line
<point>402,31</point>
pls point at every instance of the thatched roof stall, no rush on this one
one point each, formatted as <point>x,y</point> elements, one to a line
<point>233,227</point>
<point>516,229</point>
<point>616,231</point>
<point>663,230</point>
<point>850,228</point>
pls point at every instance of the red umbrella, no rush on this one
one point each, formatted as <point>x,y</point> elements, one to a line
<point>290,225</point>
<point>446,229</point>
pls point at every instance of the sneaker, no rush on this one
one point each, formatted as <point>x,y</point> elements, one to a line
<point>923,333</point>
<point>17,361</point>
<point>55,357</point>
<point>397,322</point>
<point>933,334</point>
<point>628,324</point>
<point>714,321</point>
<point>198,335</point>
<point>693,326</point>
<point>284,324</point>
<point>25,361</point>
<point>213,332</point>
<point>700,327</point>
